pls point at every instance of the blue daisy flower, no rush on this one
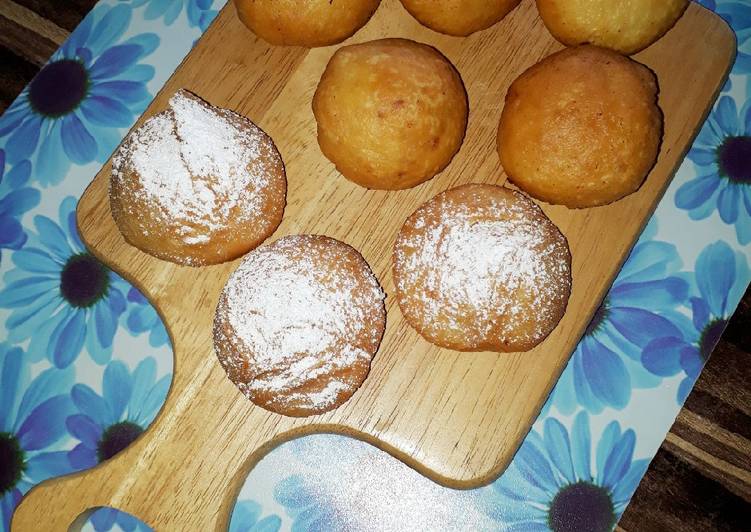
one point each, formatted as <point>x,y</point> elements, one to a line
<point>722,276</point>
<point>61,296</point>
<point>105,519</point>
<point>306,507</point>
<point>199,12</point>
<point>562,480</point>
<point>15,200</point>
<point>78,104</point>
<point>106,424</point>
<point>246,518</point>
<point>32,426</point>
<point>738,16</point>
<point>722,155</point>
<point>142,317</point>
<point>641,305</point>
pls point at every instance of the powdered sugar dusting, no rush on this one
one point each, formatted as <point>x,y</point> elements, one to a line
<point>306,325</point>
<point>197,166</point>
<point>483,269</point>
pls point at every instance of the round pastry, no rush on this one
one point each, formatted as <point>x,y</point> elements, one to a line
<point>391,113</point>
<point>626,26</point>
<point>298,323</point>
<point>481,268</point>
<point>196,184</point>
<point>581,128</point>
<point>307,23</point>
<point>459,17</point>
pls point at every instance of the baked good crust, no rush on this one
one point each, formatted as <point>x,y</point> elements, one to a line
<point>481,268</point>
<point>626,26</point>
<point>459,17</point>
<point>172,221</point>
<point>309,23</point>
<point>391,113</point>
<point>581,128</point>
<point>298,324</point>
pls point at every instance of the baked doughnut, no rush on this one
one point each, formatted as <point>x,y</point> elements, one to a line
<point>391,113</point>
<point>581,128</point>
<point>307,23</point>
<point>625,26</point>
<point>196,184</point>
<point>459,17</point>
<point>298,323</point>
<point>481,268</point>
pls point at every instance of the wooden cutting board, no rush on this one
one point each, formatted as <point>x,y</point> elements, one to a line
<point>456,417</point>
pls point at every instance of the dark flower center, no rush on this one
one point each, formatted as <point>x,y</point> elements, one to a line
<point>59,88</point>
<point>710,336</point>
<point>12,462</point>
<point>600,315</point>
<point>116,438</point>
<point>84,280</point>
<point>582,507</point>
<point>734,159</point>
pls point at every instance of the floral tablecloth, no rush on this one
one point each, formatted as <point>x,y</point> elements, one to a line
<point>85,362</point>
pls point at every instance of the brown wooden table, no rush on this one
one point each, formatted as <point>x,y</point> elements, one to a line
<point>700,479</point>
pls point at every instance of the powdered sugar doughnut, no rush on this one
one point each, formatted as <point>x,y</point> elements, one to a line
<point>298,324</point>
<point>196,184</point>
<point>481,268</point>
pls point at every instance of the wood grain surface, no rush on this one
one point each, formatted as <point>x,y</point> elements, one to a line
<point>700,478</point>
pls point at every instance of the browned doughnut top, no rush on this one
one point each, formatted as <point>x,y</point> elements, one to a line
<point>298,324</point>
<point>480,267</point>
<point>196,184</point>
<point>625,26</point>
<point>459,17</point>
<point>391,113</point>
<point>581,128</point>
<point>305,22</point>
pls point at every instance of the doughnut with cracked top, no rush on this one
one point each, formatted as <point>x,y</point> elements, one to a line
<point>481,268</point>
<point>298,324</point>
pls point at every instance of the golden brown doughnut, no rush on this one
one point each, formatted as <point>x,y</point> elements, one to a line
<point>459,17</point>
<point>625,26</point>
<point>581,128</point>
<point>481,268</point>
<point>391,113</point>
<point>307,23</point>
<point>298,323</point>
<point>196,184</point>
